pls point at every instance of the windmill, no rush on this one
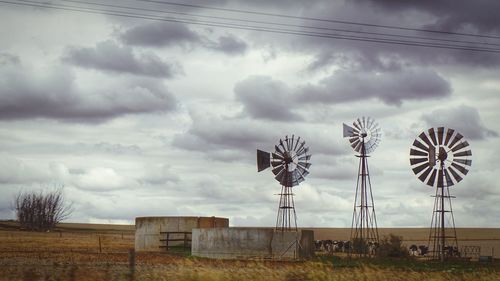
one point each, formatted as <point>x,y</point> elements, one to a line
<point>290,162</point>
<point>364,138</point>
<point>440,158</point>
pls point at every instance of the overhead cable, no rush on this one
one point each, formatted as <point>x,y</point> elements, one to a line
<point>249,27</point>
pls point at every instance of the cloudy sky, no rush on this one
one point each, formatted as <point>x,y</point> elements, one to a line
<point>142,117</point>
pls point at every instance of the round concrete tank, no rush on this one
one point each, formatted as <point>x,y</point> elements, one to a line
<point>150,232</point>
<point>248,243</point>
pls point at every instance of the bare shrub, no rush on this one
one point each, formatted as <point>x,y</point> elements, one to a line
<point>41,211</point>
<point>392,246</point>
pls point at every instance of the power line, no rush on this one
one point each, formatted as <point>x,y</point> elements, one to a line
<point>318,19</point>
<point>274,23</point>
<point>252,28</point>
<point>246,27</point>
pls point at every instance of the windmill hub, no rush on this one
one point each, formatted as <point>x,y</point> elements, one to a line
<point>290,159</point>
<point>442,156</point>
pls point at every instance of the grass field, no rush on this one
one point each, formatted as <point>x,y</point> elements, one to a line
<point>72,252</point>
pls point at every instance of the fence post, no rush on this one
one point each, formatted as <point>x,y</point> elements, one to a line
<point>168,237</point>
<point>131,264</point>
<point>100,247</point>
<point>131,258</point>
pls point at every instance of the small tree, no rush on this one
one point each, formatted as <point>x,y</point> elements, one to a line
<point>39,211</point>
<point>392,246</point>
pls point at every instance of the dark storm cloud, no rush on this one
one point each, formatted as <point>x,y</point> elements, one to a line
<point>228,44</point>
<point>385,57</point>
<point>450,15</point>
<point>6,59</point>
<point>276,5</point>
<point>466,17</point>
<point>235,138</point>
<point>377,56</point>
<point>358,58</point>
<point>228,134</point>
<point>392,88</point>
<point>265,98</point>
<point>159,174</point>
<point>159,34</point>
<point>79,148</point>
<point>465,119</point>
<point>53,94</point>
<point>109,56</point>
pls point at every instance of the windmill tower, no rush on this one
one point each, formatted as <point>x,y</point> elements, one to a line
<point>364,138</point>
<point>440,158</point>
<point>290,162</point>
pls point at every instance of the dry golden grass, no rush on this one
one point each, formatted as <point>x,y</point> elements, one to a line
<point>195,270</point>
<point>73,254</point>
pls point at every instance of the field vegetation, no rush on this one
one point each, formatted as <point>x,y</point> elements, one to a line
<point>73,252</point>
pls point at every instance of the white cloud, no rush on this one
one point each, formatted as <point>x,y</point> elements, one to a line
<point>101,179</point>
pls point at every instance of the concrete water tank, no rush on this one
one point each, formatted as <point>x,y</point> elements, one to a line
<point>147,229</point>
<point>252,243</point>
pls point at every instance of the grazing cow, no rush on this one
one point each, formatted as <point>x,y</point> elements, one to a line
<point>423,250</point>
<point>451,251</point>
<point>318,245</point>
<point>372,247</point>
<point>328,245</point>
<point>347,246</point>
<point>332,246</point>
<point>413,250</point>
<point>335,246</point>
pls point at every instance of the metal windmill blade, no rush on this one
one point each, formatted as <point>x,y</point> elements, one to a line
<point>365,132</point>
<point>440,157</point>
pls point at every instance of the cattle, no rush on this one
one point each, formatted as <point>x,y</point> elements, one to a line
<point>423,250</point>
<point>413,250</point>
<point>452,251</point>
<point>332,246</point>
